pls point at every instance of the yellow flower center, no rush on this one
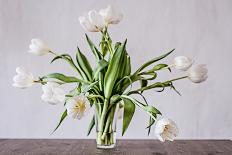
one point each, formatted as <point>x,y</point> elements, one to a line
<point>80,106</point>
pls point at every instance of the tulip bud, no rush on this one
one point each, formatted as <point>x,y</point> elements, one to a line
<point>198,73</point>
<point>38,47</point>
<point>182,63</point>
<point>23,79</point>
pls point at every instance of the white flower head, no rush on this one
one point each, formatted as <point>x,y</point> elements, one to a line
<point>182,63</point>
<point>38,47</point>
<point>23,79</point>
<point>198,73</point>
<point>53,93</point>
<point>92,22</point>
<point>111,15</point>
<point>166,129</point>
<point>77,107</point>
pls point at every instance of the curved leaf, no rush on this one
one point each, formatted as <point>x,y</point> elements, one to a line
<point>100,66</point>
<point>91,125</point>
<point>63,116</point>
<point>129,109</point>
<point>64,78</point>
<point>68,59</point>
<point>153,61</point>
<point>97,54</point>
<point>84,64</point>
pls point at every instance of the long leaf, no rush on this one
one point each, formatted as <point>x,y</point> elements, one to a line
<point>152,111</point>
<point>84,64</point>
<point>102,64</point>
<point>63,116</point>
<point>68,59</point>
<point>64,78</point>
<point>129,109</point>
<point>113,70</point>
<point>152,61</point>
<point>151,122</point>
<point>97,54</point>
<point>91,125</point>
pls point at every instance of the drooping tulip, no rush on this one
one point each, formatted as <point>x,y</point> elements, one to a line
<point>53,93</point>
<point>182,63</point>
<point>166,129</point>
<point>198,73</point>
<point>38,47</point>
<point>23,79</point>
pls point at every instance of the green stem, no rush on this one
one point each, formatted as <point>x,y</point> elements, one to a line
<point>108,122</point>
<point>155,85</point>
<point>103,115</point>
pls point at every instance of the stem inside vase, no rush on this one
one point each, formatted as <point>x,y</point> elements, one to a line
<point>106,128</point>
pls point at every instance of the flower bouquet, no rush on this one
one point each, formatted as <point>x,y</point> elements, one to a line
<point>107,88</point>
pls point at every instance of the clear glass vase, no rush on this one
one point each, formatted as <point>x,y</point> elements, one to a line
<point>106,132</point>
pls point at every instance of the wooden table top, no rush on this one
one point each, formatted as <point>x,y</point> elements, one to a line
<point>124,147</point>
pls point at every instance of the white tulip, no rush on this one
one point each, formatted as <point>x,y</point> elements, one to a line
<point>53,93</point>
<point>77,107</point>
<point>23,79</point>
<point>93,22</point>
<point>85,23</point>
<point>198,73</point>
<point>38,47</point>
<point>111,15</point>
<point>166,129</point>
<point>182,63</point>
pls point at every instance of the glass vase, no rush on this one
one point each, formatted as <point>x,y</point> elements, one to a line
<point>106,132</point>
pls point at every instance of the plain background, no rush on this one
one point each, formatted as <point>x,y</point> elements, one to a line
<point>200,29</point>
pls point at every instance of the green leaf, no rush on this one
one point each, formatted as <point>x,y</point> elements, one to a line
<point>68,59</point>
<point>113,71</point>
<point>129,109</point>
<point>128,66</point>
<point>91,125</point>
<point>159,67</point>
<point>152,111</point>
<point>84,65</point>
<point>97,54</point>
<point>102,64</point>
<point>151,122</point>
<point>63,116</point>
<point>143,83</point>
<point>148,75</point>
<point>153,61</point>
<point>64,78</point>
<point>85,88</point>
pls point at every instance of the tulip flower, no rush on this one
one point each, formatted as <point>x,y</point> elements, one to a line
<point>23,79</point>
<point>38,47</point>
<point>111,15</point>
<point>166,129</point>
<point>53,93</point>
<point>93,22</point>
<point>77,107</point>
<point>182,63</point>
<point>198,73</point>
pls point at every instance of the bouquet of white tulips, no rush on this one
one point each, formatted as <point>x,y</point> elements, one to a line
<point>107,87</point>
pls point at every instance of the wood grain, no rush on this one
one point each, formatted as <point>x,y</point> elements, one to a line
<point>124,147</point>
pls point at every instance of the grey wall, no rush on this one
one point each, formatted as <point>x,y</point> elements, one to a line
<point>198,29</point>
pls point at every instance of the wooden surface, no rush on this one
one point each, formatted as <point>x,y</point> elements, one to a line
<point>124,147</point>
